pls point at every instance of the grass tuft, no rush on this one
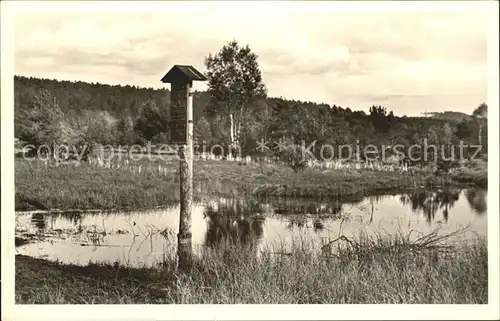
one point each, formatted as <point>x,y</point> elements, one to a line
<point>368,269</point>
<point>150,184</point>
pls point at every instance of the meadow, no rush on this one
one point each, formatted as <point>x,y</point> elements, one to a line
<point>378,269</point>
<point>368,269</point>
<point>146,184</point>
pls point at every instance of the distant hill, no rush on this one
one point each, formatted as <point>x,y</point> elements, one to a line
<point>76,97</point>
<point>452,116</point>
<point>106,114</point>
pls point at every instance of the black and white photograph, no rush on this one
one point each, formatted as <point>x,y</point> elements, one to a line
<point>249,160</point>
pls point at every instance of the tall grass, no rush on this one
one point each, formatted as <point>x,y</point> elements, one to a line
<point>148,184</point>
<point>89,187</point>
<point>368,269</point>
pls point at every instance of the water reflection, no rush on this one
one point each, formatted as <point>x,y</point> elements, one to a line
<point>39,220</point>
<point>233,221</point>
<point>477,200</point>
<point>142,238</point>
<point>430,202</point>
<point>297,207</point>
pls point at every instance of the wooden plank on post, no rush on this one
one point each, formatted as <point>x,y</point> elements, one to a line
<point>178,108</point>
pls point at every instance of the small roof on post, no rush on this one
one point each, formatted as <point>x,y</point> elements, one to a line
<point>183,73</point>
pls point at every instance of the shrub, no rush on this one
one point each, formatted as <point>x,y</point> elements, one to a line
<point>295,157</point>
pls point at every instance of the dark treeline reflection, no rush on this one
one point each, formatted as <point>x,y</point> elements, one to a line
<point>334,207</point>
<point>75,218</point>
<point>39,220</point>
<point>42,222</point>
<point>234,221</point>
<point>477,200</point>
<point>242,220</point>
<point>430,202</point>
<point>311,214</point>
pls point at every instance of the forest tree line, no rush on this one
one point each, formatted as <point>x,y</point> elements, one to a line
<point>51,111</point>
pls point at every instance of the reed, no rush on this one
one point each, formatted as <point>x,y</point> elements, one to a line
<point>128,184</point>
<point>367,269</point>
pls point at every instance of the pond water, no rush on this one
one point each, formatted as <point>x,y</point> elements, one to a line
<point>143,238</point>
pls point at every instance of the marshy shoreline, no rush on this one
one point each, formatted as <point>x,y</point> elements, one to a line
<point>380,270</point>
<point>371,270</point>
<point>152,184</point>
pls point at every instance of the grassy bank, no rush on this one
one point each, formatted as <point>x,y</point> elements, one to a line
<point>89,187</point>
<point>366,270</point>
<point>148,184</point>
<point>473,172</point>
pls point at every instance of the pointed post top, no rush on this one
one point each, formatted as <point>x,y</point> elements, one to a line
<point>182,74</point>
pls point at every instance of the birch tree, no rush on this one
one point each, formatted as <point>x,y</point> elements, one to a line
<point>480,113</point>
<point>234,84</point>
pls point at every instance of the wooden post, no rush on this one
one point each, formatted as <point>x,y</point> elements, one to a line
<point>181,78</point>
<point>186,182</point>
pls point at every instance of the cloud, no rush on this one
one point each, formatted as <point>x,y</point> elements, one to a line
<point>304,53</point>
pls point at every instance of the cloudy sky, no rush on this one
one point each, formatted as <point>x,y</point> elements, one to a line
<point>410,62</point>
